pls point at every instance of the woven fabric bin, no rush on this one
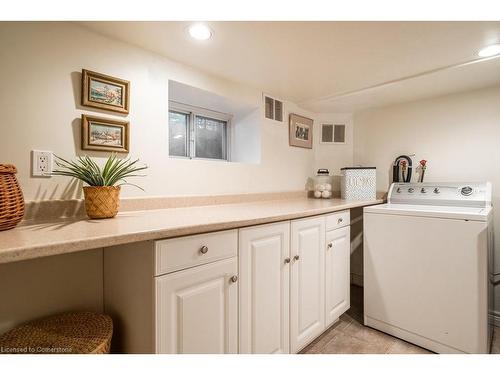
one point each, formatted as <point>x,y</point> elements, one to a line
<point>358,183</point>
<point>70,333</point>
<point>11,198</point>
<point>101,202</point>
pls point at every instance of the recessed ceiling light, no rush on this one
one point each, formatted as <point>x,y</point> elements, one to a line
<point>200,31</point>
<point>489,51</point>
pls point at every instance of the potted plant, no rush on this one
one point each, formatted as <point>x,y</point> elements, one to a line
<point>102,195</point>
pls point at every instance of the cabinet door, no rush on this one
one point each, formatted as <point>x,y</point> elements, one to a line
<point>197,309</point>
<point>307,297</point>
<point>338,251</point>
<point>264,259</point>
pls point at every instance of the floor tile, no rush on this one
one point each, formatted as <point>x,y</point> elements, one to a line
<point>318,344</point>
<point>350,336</point>
<point>342,343</point>
<point>369,335</point>
<point>403,347</point>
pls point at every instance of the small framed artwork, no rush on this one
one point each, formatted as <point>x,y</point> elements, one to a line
<point>102,134</point>
<point>333,134</point>
<point>105,92</point>
<point>300,131</point>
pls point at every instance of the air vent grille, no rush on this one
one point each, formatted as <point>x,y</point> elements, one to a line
<point>273,108</point>
<point>333,133</point>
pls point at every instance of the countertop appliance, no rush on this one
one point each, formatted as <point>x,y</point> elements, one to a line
<point>428,265</point>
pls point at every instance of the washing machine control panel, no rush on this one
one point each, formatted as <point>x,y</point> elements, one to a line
<point>445,194</point>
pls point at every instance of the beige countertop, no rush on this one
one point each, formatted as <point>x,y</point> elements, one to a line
<point>37,240</point>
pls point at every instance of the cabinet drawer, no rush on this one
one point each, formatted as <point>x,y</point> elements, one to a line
<point>184,252</point>
<point>338,220</point>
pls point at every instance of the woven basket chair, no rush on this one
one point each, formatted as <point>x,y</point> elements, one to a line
<point>11,198</point>
<point>69,333</point>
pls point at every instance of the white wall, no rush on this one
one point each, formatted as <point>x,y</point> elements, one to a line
<point>40,102</point>
<point>40,287</point>
<point>458,134</point>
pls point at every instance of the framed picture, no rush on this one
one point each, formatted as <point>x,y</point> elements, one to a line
<point>102,134</point>
<point>300,131</point>
<point>105,92</point>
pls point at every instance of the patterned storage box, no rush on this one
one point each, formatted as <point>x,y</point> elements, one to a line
<point>358,183</point>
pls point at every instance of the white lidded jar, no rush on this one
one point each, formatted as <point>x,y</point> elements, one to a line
<point>323,184</point>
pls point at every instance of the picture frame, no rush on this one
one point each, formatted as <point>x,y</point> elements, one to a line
<point>105,92</point>
<point>103,134</point>
<point>300,131</point>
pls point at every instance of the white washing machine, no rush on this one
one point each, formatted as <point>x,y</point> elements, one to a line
<point>428,265</point>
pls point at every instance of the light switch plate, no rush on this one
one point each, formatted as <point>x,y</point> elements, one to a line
<point>41,163</point>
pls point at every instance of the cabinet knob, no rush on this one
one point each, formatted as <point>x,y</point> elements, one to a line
<point>330,245</point>
<point>296,257</point>
<point>287,260</point>
<point>340,220</point>
<point>204,250</point>
<point>234,278</point>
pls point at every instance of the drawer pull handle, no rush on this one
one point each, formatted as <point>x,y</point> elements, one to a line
<point>296,257</point>
<point>330,245</point>
<point>340,220</point>
<point>234,279</point>
<point>287,260</point>
<point>204,250</point>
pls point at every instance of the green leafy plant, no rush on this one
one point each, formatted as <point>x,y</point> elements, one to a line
<point>113,173</point>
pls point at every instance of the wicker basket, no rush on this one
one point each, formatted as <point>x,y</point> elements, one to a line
<point>70,333</point>
<point>11,198</point>
<point>101,202</point>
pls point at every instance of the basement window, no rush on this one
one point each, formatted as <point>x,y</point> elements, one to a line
<point>198,133</point>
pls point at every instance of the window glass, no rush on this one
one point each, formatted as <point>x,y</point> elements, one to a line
<point>178,123</point>
<point>210,138</point>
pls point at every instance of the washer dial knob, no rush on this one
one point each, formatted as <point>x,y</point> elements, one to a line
<point>466,190</point>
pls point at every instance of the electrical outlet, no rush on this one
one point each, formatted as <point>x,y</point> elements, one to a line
<point>41,163</point>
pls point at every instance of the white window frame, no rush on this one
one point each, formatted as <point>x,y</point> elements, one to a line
<point>194,111</point>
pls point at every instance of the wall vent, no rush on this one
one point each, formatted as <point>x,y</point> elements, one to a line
<point>333,133</point>
<point>273,108</point>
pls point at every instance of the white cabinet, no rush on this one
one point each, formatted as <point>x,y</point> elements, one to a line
<point>264,289</point>
<point>337,260</point>
<point>307,294</point>
<point>174,296</point>
<point>264,266</point>
<point>197,309</point>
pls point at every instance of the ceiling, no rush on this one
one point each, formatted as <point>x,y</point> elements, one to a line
<point>329,66</point>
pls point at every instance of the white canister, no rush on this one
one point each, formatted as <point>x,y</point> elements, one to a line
<point>358,183</point>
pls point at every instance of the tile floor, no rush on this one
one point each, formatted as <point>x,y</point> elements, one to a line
<point>350,336</point>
